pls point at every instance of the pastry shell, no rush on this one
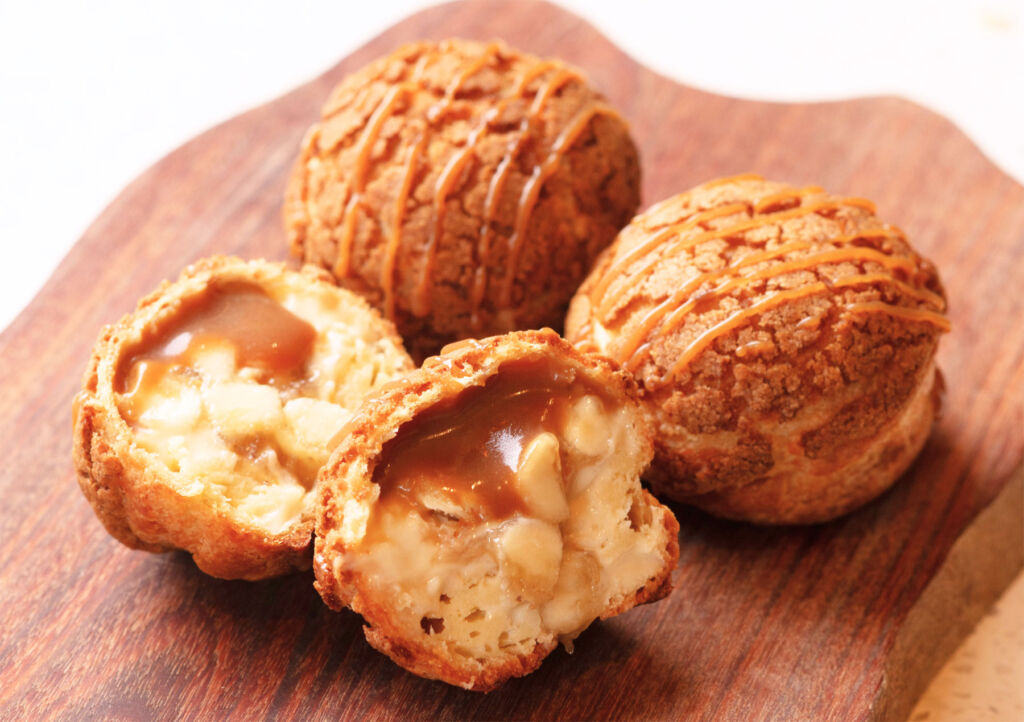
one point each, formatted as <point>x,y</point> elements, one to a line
<point>349,498</point>
<point>146,504</point>
<point>463,188</point>
<point>784,340</point>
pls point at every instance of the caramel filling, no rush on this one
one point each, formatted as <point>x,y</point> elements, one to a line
<point>237,317</point>
<point>468,453</point>
<point>240,392</point>
<point>510,514</point>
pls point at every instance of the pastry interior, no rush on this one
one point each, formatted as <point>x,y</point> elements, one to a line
<point>238,393</point>
<point>508,518</point>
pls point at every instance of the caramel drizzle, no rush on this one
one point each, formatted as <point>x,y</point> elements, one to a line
<point>387,274</point>
<point>840,255</point>
<point>697,219</point>
<point>740,178</point>
<point>919,294</point>
<point>621,264</point>
<point>605,305</point>
<point>453,170</point>
<point>367,140</point>
<point>443,186</point>
<point>531,190</point>
<point>738,318</point>
<point>497,183</point>
<point>706,338</point>
<point>634,350</point>
<point>909,314</point>
<point>438,110</point>
<point>381,113</point>
<point>678,316</point>
<point>434,114</point>
<point>655,315</point>
<point>789,194</point>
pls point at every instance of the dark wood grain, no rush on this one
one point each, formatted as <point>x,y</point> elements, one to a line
<point>839,621</point>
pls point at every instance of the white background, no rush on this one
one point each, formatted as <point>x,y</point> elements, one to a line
<point>91,93</point>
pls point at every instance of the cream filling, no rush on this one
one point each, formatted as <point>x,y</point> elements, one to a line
<point>219,431</point>
<point>587,541</point>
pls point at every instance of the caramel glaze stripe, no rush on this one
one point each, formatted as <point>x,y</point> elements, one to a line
<point>739,317</point>
<point>657,207</point>
<point>690,221</point>
<point>790,194</point>
<point>706,338</point>
<point>381,113</point>
<point>605,305</point>
<point>621,264</point>
<point>781,269</point>
<point>918,294</point>
<point>678,315</point>
<point>453,170</point>
<point>438,110</point>
<point>630,352</point>
<point>434,114</point>
<point>444,185</point>
<point>909,314</point>
<point>497,183</point>
<point>372,129</point>
<point>531,190</point>
<point>387,273</point>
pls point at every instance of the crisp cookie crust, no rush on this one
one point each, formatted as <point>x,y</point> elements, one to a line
<point>783,338</point>
<point>463,188</point>
<point>147,471</point>
<point>442,627</point>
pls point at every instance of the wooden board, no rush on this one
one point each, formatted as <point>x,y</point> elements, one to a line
<point>840,621</point>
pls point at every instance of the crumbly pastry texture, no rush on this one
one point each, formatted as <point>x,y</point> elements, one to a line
<point>476,584</point>
<point>463,188</point>
<point>784,341</point>
<point>187,440</point>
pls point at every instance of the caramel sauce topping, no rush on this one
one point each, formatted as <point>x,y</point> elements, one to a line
<point>387,274</point>
<point>466,451</point>
<point>652,243</point>
<point>531,191</point>
<point>738,319</point>
<point>496,186</point>
<point>453,171</point>
<point>388,105</point>
<point>435,112</point>
<point>656,250</point>
<point>668,315</point>
<point>241,316</point>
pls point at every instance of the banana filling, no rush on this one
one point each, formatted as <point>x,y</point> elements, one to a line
<point>240,393</point>
<point>511,515</point>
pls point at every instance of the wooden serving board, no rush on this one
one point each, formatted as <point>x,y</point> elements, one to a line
<point>846,620</point>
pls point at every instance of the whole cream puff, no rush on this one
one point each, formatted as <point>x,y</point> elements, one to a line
<point>784,340</point>
<point>463,188</point>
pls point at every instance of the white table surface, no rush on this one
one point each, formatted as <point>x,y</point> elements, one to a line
<point>93,93</point>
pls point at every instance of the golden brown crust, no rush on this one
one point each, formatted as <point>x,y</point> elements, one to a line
<point>780,336</point>
<point>346,485</point>
<point>517,161</point>
<point>138,500</point>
